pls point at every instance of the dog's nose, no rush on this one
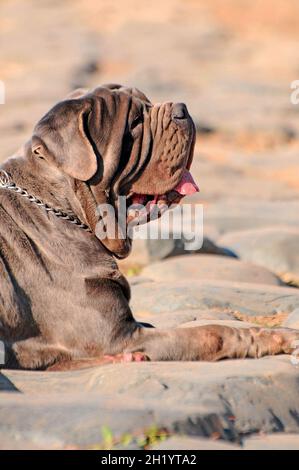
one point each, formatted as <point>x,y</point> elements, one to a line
<point>179,111</point>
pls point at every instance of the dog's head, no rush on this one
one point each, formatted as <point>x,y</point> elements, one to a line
<point>114,142</point>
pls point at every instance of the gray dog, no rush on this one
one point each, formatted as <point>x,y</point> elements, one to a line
<point>63,301</point>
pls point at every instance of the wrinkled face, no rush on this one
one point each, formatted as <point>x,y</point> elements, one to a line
<point>113,142</point>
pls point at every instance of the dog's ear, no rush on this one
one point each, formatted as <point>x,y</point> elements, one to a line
<point>62,138</point>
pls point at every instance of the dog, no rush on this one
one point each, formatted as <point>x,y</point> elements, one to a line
<point>63,302</point>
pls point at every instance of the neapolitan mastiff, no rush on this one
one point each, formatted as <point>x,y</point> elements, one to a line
<point>63,301</point>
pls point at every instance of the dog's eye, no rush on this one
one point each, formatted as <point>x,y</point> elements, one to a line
<point>137,120</point>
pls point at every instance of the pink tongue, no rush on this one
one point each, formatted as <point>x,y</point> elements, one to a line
<point>187,185</point>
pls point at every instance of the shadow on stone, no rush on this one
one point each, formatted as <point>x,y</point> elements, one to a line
<point>6,385</point>
<point>162,249</point>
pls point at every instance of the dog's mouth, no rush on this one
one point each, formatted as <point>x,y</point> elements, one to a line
<point>142,208</point>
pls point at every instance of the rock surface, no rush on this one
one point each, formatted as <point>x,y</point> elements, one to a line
<point>186,443</point>
<point>238,215</point>
<point>293,320</point>
<point>278,441</point>
<point>202,399</point>
<point>145,251</point>
<point>276,248</point>
<point>152,299</point>
<point>208,267</point>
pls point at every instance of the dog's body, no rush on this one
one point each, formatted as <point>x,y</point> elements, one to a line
<point>62,297</point>
<point>58,285</point>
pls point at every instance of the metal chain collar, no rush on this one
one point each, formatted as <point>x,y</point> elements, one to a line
<point>7,183</point>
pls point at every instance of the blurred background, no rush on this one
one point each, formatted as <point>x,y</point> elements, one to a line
<point>231,61</point>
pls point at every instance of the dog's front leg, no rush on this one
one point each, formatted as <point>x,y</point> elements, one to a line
<point>213,342</point>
